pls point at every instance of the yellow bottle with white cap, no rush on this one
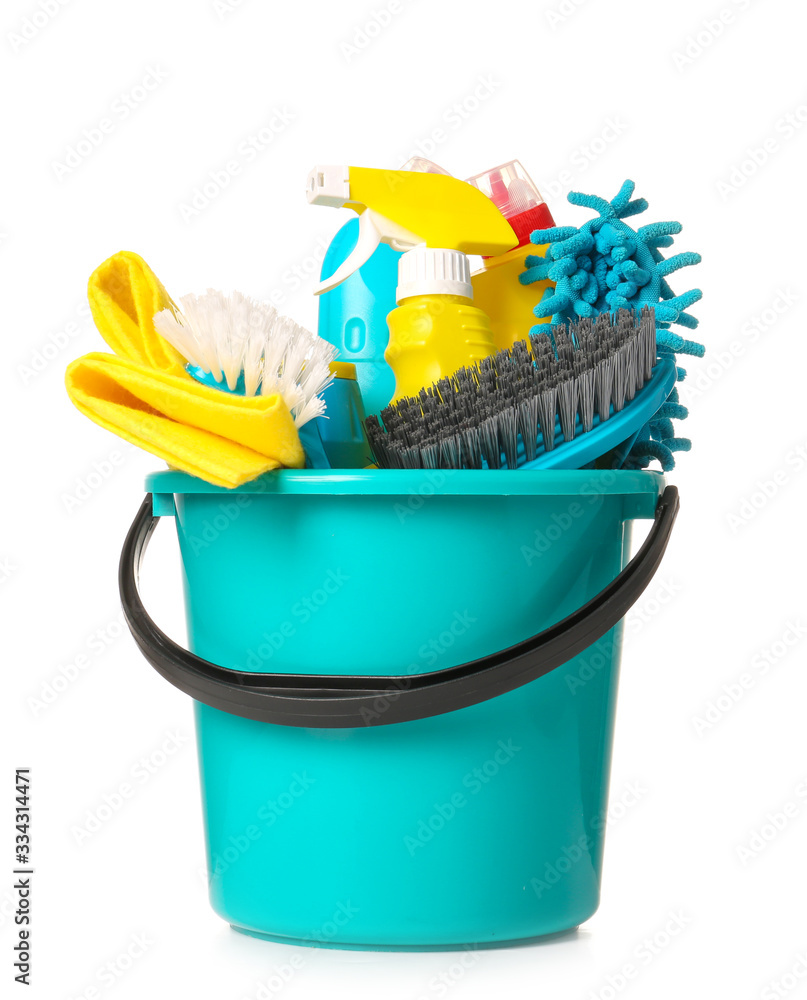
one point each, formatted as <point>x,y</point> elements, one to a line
<point>436,328</point>
<point>437,219</point>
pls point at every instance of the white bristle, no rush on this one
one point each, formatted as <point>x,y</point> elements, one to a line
<point>225,335</point>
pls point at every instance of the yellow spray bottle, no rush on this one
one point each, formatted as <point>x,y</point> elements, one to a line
<point>437,219</point>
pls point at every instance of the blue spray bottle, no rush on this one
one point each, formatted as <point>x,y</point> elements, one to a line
<point>353,316</point>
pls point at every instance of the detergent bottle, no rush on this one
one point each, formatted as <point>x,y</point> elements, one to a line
<point>436,220</point>
<point>497,290</point>
<point>436,328</point>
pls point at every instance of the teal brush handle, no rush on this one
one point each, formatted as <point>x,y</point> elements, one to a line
<point>620,429</point>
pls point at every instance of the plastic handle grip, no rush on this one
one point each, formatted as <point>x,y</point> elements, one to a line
<point>344,702</point>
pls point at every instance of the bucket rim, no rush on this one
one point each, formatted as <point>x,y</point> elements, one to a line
<point>445,482</point>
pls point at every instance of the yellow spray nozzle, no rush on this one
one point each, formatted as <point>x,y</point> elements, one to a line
<point>407,209</point>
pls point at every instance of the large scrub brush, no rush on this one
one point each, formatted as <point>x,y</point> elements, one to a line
<point>572,396</point>
<point>241,345</point>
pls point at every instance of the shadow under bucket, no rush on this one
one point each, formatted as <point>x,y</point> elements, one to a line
<point>405,684</point>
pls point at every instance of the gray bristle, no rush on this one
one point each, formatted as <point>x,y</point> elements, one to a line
<point>528,425</point>
<point>603,383</point>
<point>585,396</point>
<point>508,436</point>
<point>558,383</point>
<point>490,442</point>
<point>618,385</point>
<point>567,406</point>
<point>547,401</point>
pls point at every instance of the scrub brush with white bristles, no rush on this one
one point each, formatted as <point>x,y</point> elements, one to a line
<point>248,346</point>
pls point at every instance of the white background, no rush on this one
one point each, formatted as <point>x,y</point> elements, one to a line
<point>585,94</point>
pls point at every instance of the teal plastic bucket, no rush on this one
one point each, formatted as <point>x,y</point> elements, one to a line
<point>404,684</point>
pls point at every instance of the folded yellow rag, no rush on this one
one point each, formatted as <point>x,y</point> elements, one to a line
<point>146,396</point>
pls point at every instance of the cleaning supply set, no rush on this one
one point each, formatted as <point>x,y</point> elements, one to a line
<point>394,757</point>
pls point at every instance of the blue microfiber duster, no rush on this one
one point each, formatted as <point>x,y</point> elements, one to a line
<point>605,265</point>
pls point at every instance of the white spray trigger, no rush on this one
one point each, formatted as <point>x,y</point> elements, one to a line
<point>374,228</point>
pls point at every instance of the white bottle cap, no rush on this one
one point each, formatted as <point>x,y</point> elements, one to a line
<point>425,271</point>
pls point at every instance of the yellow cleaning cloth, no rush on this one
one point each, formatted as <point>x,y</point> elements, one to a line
<point>125,295</point>
<point>146,396</point>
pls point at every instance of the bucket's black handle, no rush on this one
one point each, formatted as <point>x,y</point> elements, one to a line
<point>342,702</point>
